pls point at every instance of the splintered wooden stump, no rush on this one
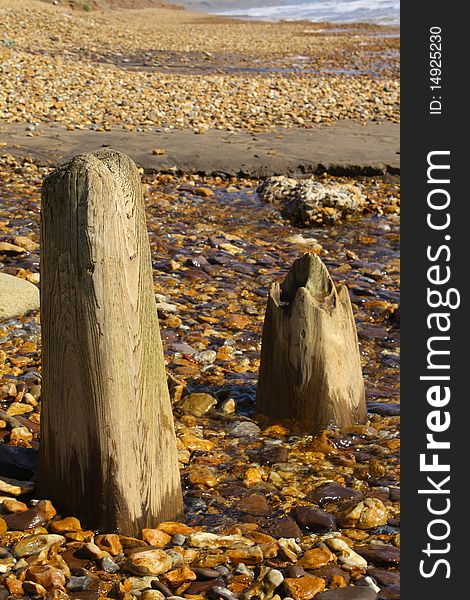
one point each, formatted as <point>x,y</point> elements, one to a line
<point>310,372</point>
<point>108,446</point>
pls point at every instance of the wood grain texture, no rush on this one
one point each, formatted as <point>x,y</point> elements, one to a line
<point>310,372</point>
<point>108,446</point>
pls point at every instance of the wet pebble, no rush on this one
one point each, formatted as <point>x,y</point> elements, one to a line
<point>349,593</point>
<point>285,527</point>
<point>313,519</point>
<point>244,429</point>
<point>332,492</point>
<point>379,554</point>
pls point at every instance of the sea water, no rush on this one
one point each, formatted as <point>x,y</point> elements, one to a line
<point>385,12</point>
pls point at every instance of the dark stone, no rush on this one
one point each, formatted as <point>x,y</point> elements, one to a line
<point>332,492</point>
<point>200,587</point>
<point>222,592</point>
<point>294,572</point>
<point>269,456</point>
<point>394,494</point>
<point>348,593</point>
<point>161,587</point>
<point>313,519</point>
<point>108,565</point>
<point>386,481</point>
<point>384,578</point>
<point>379,554</point>
<point>17,462</point>
<point>329,571</point>
<point>197,261</point>
<point>27,519</point>
<point>80,584</point>
<point>255,504</point>
<point>205,573</point>
<point>389,593</point>
<point>223,570</point>
<point>285,528</point>
<point>384,409</point>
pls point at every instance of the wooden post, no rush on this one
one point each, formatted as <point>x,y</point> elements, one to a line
<point>108,446</point>
<point>310,372</point>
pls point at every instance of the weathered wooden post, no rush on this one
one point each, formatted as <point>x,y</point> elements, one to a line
<point>108,447</point>
<point>310,372</point>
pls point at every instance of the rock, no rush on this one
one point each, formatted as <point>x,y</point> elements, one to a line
<point>205,573</point>
<point>349,593</point>
<point>202,476</point>
<point>27,519</point>
<point>173,527</point>
<point>310,203</point>
<point>332,571</point>
<point>109,542</point>
<point>204,192</point>
<point>385,409</point>
<point>108,565</point>
<point>26,243</point>
<point>155,537</point>
<point>152,595</point>
<point>253,476</point>
<point>193,442</point>
<point>364,515</point>
<point>158,152</point>
<point>313,519</point>
<point>331,492</point>
<point>10,249</point>
<point>46,507</point>
<point>229,406</point>
<point>79,584</point>
<point>198,404</point>
<point>285,528</point>
<point>47,576</point>
<point>178,539</point>
<point>248,556</point>
<point>304,588</point>
<point>345,554</point>
<point>316,558</point>
<point>384,578</point>
<point>149,562</point>
<point>3,527</point>
<point>92,551</point>
<point>289,549</point>
<point>202,539</point>
<point>36,543</point>
<point>10,505</point>
<point>255,504</point>
<point>33,589</point>
<point>17,296</point>
<point>67,525</point>
<point>389,593</point>
<point>294,572</point>
<point>379,554</point>
<point>16,461</point>
<point>162,588</point>
<point>264,589</point>
<point>200,587</point>
<point>178,576</point>
<point>270,455</point>
<point>244,429</point>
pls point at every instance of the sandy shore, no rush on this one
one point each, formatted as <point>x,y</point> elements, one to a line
<point>150,68</point>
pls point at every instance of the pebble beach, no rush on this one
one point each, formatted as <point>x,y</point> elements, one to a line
<point>270,513</point>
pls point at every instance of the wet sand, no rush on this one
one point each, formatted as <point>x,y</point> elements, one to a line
<point>345,147</point>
